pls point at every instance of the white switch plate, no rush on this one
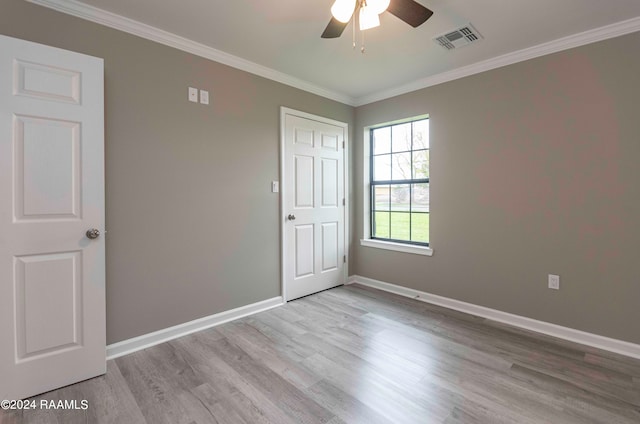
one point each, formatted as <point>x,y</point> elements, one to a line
<point>275,186</point>
<point>554,282</point>
<point>204,97</point>
<point>193,94</point>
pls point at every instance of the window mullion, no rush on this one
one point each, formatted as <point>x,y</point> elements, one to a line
<point>396,182</point>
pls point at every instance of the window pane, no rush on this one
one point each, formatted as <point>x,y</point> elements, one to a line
<point>382,140</point>
<point>381,198</point>
<point>400,155</point>
<point>421,164</point>
<point>420,227</point>
<point>382,168</point>
<point>420,197</point>
<point>400,198</point>
<point>401,166</point>
<point>381,224</point>
<point>401,137</point>
<point>400,225</point>
<point>421,134</point>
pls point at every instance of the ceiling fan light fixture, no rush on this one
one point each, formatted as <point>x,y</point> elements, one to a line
<point>378,6</point>
<point>368,18</point>
<point>342,10</point>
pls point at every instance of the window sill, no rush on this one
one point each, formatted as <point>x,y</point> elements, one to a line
<point>398,247</point>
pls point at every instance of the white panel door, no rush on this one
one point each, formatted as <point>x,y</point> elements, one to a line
<point>52,275</point>
<point>314,211</point>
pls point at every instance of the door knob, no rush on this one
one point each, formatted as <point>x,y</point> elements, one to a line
<point>291,217</point>
<point>93,233</point>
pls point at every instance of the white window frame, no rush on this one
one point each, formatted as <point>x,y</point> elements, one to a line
<point>367,241</point>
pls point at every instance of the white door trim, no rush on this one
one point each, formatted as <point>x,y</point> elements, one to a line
<point>283,259</point>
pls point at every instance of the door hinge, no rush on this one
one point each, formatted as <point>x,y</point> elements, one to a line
<point>344,259</point>
<point>343,202</point>
<point>343,144</point>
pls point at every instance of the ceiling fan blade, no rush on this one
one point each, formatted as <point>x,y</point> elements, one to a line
<point>334,29</point>
<point>410,11</point>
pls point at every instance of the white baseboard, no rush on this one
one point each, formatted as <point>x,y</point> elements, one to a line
<point>577,336</point>
<point>126,347</point>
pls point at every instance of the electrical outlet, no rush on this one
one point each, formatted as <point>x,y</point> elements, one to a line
<point>554,282</point>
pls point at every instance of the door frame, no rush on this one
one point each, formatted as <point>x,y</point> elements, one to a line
<point>284,111</point>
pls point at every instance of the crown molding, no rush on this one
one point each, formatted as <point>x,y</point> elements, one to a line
<point>565,43</point>
<point>112,20</point>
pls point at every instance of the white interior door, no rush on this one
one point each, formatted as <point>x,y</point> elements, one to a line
<point>52,275</point>
<point>313,204</point>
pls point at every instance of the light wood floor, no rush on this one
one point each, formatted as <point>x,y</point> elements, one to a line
<point>357,355</point>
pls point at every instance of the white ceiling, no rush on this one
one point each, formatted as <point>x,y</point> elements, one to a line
<point>284,36</point>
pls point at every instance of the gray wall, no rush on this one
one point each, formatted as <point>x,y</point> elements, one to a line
<point>193,228</point>
<point>535,170</point>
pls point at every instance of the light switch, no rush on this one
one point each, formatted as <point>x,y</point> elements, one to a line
<point>204,97</point>
<point>275,186</point>
<point>193,94</point>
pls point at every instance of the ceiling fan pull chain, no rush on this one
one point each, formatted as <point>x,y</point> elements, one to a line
<point>362,41</point>
<point>354,30</point>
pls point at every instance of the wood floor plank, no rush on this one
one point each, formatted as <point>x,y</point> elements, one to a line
<point>425,347</point>
<point>108,397</point>
<point>216,405</point>
<point>348,408</point>
<point>260,349</point>
<point>154,392</point>
<point>376,351</point>
<point>354,354</point>
<point>620,364</point>
<point>233,390</point>
<point>571,398</point>
<point>288,398</point>
<point>278,337</point>
<point>367,361</point>
<point>372,391</point>
<point>36,416</point>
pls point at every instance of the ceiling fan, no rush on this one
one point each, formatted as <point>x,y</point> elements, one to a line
<point>409,11</point>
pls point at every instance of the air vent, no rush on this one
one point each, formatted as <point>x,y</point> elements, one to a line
<point>458,38</point>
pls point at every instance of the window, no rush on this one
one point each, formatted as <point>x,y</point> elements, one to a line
<point>399,181</point>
